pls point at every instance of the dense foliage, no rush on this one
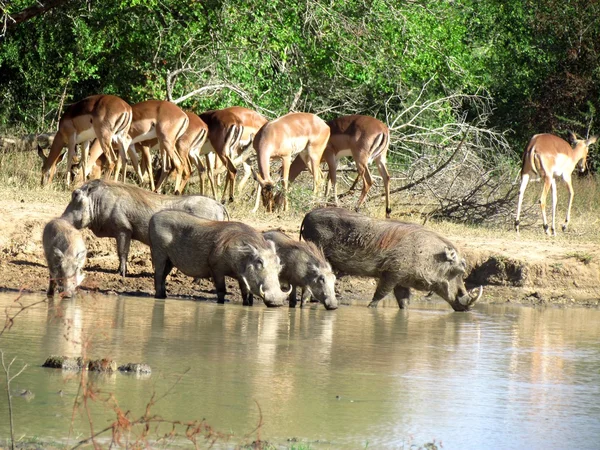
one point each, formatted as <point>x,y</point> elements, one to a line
<point>538,61</point>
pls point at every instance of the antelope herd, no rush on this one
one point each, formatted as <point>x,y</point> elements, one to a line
<point>229,137</point>
<point>225,137</point>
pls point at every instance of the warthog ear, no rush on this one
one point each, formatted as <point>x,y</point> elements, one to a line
<point>77,194</point>
<point>451,254</point>
<point>272,245</point>
<point>58,253</point>
<point>81,257</point>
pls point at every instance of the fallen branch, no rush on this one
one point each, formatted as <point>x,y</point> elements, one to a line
<point>435,172</point>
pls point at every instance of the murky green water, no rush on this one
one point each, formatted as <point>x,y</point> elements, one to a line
<point>498,377</point>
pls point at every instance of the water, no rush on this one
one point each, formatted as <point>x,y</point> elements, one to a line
<point>498,377</point>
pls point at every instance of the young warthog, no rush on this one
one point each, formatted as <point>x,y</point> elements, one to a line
<point>304,266</point>
<point>208,249</point>
<point>400,255</point>
<point>65,254</point>
<point>123,212</point>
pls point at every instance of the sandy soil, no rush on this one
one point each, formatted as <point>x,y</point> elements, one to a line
<point>531,269</point>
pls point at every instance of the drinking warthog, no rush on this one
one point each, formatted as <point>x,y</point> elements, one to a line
<point>122,211</point>
<point>209,249</point>
<point>65,254</point>
<point>400,255</point>
<point>304,266</point>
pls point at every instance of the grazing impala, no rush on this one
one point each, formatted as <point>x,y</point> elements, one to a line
<point>163,121</point>
<point>364,138</point>
<point>105,117</point>
<point>548,156</point>
<point>230,132</point>
<point>301,134</point>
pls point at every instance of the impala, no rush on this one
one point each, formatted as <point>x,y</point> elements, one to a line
<point>230,133</point>
<point>301,134</point>
<point>364,138</point>
<point>105,117</point>
<point>547,156</point>
<point>163,121</point>
<point>251,123</point>
<point>188,148</point>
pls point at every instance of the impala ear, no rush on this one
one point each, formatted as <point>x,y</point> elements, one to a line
<point>591,140</point>
<point>572,137</point>
<point>258,178</point>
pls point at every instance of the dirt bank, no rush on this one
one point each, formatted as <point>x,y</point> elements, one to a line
<point>529,269</point>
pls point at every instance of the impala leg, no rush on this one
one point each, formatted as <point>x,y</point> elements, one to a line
<point>331,160</point>
<point>70,155</point>
<point>211,174</point>
<point>381,165</point>
<point>257,202</point>
<point>571,195</point>
<point>247,174</point>
<point>554,200</point>
<point>95,152</point>
<point>545,189</point>
<point>147,158</point>
<point>85,156</point>
<point>524,181</point>
<point>363,171</point>
<point>135,161</point>
<point>286,162</point>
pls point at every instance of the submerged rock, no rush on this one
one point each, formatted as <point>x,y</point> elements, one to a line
<point>138,368</point>
<point>70,363</point>
<point>102,365</point>
<point>64,362</point>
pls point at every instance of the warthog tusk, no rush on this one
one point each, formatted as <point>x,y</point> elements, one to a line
<point>472,294</point>
<point>260,291</point>
<point>246,283</point>
<point>471,297</point>
<point>290,290</point>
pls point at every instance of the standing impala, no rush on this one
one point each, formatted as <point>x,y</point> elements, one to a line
<point>364,138</point>
<point>301,134</point>
<point>105,117</point>
<point>188,148</point>
<point>547,156</point>
<point>230,133</point>
<point>163,121</point>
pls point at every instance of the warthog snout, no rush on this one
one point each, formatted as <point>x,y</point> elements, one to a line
<point>466,301</point>
<point>275,297</point>
<point>331,304</point>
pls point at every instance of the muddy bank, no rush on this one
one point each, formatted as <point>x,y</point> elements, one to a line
<point>531,271</point>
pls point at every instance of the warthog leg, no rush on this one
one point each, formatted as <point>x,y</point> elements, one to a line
<point>293,299</point>
<point>221,287</point>
<point>402,295</point>
<point>384,287</point>
<point>247,296</point>
<point>162,268</point>
<point>306,296</point>
<point>123,243</point>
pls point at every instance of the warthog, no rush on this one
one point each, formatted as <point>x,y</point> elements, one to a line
<point>122,211</point>
<point>65,254</point>
<point>209,249</point>
<point>304,266</point>
<point>400,255</point>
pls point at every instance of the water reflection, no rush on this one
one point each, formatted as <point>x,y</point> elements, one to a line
<point>344,377</point>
